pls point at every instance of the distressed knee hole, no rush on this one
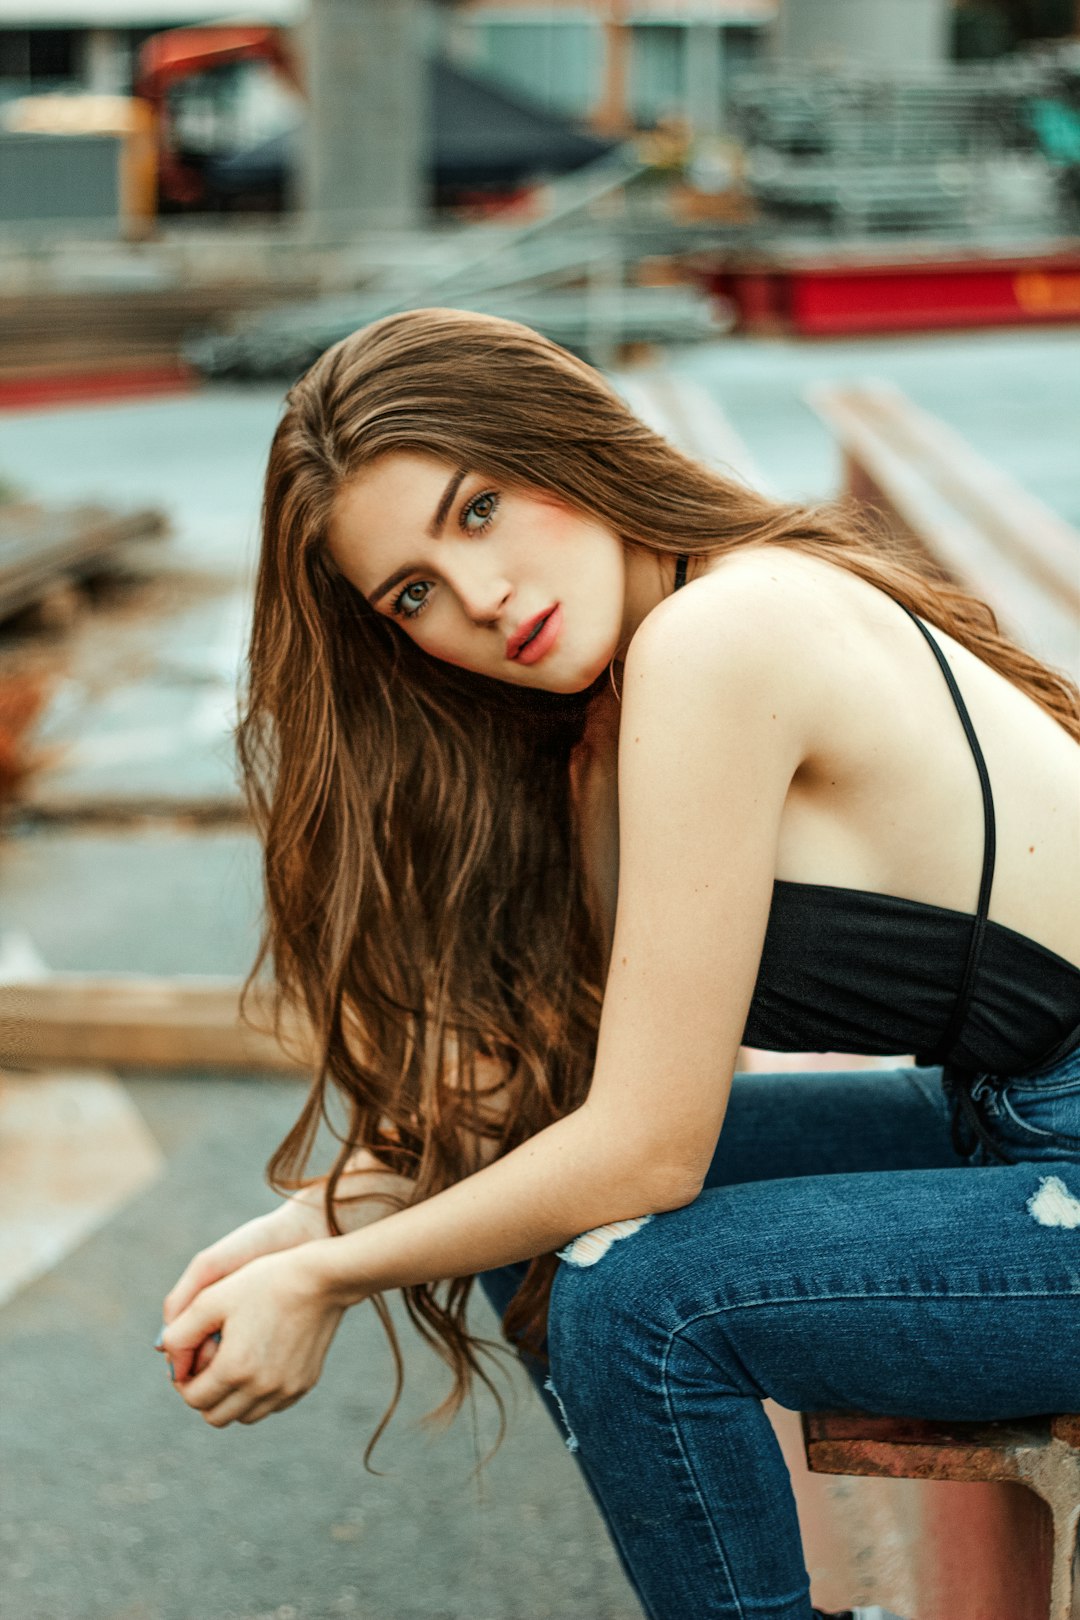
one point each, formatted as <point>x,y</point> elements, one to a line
<point>592,1246</point>
<point>571,1437</point>
<point>1053,1204</point>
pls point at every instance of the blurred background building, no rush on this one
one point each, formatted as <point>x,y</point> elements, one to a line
<point>232,130</point>
<point>341,147</point>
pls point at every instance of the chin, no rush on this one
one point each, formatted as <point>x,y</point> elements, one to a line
<point>571,684</point>
<point>574,680</point>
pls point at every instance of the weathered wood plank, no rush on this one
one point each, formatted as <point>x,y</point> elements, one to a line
<point>136,1022</point>
<point>975,523</point>
<point>39,546</point>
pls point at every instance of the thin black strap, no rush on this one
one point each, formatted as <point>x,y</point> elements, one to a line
<point>680,570</point>
<point>967,983</point>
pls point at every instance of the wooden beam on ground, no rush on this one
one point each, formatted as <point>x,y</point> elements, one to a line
<point>135,1022</point>
<point>40,546</point>
<point>991,537</point>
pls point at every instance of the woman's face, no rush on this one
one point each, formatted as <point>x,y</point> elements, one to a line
<point>468,568</point>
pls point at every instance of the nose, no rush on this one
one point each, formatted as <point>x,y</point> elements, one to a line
<point>483,594</point>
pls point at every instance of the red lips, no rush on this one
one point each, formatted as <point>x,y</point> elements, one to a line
<point>524,631</point>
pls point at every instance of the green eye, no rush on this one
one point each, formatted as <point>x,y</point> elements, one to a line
<point>406,605</point>
<point>478,513</point>
<point>474,519</point>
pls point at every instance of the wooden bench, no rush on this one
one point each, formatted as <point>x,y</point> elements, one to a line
<point>184,1021</point>
<point>994,539</point>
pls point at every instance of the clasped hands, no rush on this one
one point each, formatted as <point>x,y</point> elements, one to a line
<point>249,1323</point>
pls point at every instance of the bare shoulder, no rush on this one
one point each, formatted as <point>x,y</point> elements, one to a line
<point>767,600</point>
<point>759,628</point>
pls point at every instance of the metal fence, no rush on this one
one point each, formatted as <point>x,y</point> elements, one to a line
<point>865,151</point>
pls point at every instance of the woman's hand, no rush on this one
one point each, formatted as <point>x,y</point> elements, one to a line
<point>276,1323</point>
<point>300,1219</point>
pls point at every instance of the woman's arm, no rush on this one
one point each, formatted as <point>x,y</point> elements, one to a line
<point>714,721</point>
<point>363,1173</point>
<point>570,1177</point>
<point>301,1216</point>
<point>719,704</point>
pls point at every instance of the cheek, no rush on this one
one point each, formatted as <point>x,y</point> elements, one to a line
<point>556,526</point>
<point>590,555</point>
<point>441,642</point>
<point>447,655</point>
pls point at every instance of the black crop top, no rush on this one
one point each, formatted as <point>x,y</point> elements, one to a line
<point>848,970</point>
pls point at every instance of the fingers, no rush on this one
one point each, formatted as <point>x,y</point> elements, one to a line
<point>197,1275</point>
<point>189,1362</point>
<point>213,1263</point>
<point>208,1389</point>
<point>232,1408</point>
<point>203,1355</point>
<point>180,1366</point>
<point>183,1338</point>
<point>241,1405</point>
<point>267,1408</point>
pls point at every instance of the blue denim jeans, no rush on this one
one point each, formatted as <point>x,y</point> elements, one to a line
<point>840,1256</point>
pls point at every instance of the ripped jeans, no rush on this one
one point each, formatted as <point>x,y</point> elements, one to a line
<point>840,1256</point>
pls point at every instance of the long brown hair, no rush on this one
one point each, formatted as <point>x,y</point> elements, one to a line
<point>396,796</point>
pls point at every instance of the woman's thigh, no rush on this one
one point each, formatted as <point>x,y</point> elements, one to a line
<point>937,1293</point>
<point>843,1255</point>
<point>833,1123</point>
<point>793,1125</point>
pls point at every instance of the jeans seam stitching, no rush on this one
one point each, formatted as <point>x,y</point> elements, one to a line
<point>1025,1125</point>
<point>819,1299</point>
<point>692,1473</point>
<point>802,1299</point>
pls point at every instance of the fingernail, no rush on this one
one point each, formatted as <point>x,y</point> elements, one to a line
<point>159,1342</point>
<point>172,1372</point>
<point>216,1337</point>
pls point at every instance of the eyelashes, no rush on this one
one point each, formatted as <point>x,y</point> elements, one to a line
<point>482,507</point>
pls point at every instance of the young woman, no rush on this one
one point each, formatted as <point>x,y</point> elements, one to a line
<point>577,766</point>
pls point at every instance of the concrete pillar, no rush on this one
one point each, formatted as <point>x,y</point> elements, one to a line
<point>897,34</point>
<point>704,78</point>
<point>366,158</point>
<point>611,115</point>
<point>106,70</point>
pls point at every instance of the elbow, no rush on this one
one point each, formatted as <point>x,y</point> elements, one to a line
<point>676,1189</point>
<point>656,1188</point>
<point>634,1179</point>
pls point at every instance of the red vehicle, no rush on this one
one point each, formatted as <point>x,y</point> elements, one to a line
<point>488,144</point>
<point>167,60</point>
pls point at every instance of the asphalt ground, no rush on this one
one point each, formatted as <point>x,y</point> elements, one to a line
<point>121,1503</point>
<point>116,1501</point>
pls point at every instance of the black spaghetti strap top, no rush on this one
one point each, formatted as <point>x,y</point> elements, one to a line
<point>848,970</point>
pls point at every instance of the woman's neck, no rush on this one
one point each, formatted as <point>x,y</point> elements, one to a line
<point>650,577</point>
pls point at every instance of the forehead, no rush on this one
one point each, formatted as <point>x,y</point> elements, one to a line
<point>394,496</point>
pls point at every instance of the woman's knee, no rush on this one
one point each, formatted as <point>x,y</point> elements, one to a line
<point>625,1293</point>
<point>614,1333</point>
<point>603,1295</point>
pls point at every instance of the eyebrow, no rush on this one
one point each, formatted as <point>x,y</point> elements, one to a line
<point>434,529</point>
